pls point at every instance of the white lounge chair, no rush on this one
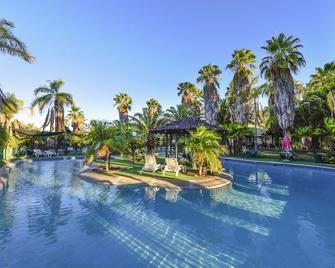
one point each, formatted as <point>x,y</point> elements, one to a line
<point>38,153</point>
<point>150,163</point>
<point>171,164</point>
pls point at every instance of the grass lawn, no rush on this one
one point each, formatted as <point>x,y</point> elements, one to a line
<point>269,156</point>
<point>129,170</point>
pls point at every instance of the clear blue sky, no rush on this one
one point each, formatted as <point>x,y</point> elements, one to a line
<point>145,48</point>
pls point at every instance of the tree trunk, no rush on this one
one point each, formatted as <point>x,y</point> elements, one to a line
<point>211,101</point>
<point>151,143</point>
<point>123,116</point>
<point>284,97</point>
<point>242,87</point>
<point>107,161</point>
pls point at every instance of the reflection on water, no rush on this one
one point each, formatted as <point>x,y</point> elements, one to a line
<point>268,216</point>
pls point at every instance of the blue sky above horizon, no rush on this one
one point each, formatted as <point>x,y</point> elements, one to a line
<point>145,48</point>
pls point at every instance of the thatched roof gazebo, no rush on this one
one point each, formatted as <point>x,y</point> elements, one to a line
<point>181,128</point>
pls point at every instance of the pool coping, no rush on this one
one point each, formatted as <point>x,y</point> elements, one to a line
<point>272,163</point>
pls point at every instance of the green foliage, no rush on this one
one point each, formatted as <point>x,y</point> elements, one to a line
<point>10,44</point>
<point>236,130</point>
<point>123,102</point>
<point>243,62</point>
<point>205,147</point>
<point>50,98</point>
<point>282,52</point>
<point>177,113</point>
<point>209,74</point>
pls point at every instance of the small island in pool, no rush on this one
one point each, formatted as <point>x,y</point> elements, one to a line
<point>126,173</point>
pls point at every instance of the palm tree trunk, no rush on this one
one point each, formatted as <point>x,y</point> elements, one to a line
<point>151,143</point>
<point>284,97</point>
<point>242,89</point>
<point>211,100</point>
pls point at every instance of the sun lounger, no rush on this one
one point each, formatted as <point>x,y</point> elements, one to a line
<point>171,164</point>
<point>38,153</point>
<point>150,164</point>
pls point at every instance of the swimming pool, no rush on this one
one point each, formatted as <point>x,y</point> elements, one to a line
<point>272,216</point>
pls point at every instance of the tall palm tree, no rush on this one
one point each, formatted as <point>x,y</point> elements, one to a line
<point>153,108</point>
<point>77,119</point>
<point>11,45</point>
<point>53,100</point>
<point>209,76</point>
<point>283,58</point>
<point>242,64</point>
<point>123,102</point>
<point>191,96</point>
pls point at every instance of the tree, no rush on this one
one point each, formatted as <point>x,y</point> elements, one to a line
<point>236,132</point>
<point>105,139</point>
<point>209,76</point>
<point>123,103</point>
<point>205,147</point>
<point>177,113</point>
<point>77,119</point>
<point>153,108</point>
<point>7,115</point>
<point>54,101</point>
<point>191,96</point>
<point>324,80</point>
<point>283,58</point>
<point>242,64</point>
<point>11,45</point>
<point>144,123</point>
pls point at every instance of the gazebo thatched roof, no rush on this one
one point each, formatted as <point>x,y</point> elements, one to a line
<point>184,125</point>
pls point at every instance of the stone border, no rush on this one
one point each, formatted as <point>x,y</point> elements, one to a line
<point>271,163</point>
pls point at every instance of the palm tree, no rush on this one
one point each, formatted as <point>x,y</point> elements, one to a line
<point>7,115</point>
<point>283,58</point>
<point>191,96</point>
<point>205,147</point>
<point>177,113</point>
<point>209,76</point>
<point>144,123</point>
<point>11,45</point>
<point>324,80</point>
<point>153,108</point>
<point>77,119</point>
<point>104,139</point>
<point>123,103</point>
<point>51,98</point>
<point>242,64</point>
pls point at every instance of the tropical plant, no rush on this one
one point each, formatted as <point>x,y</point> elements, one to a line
<point>329,124</point>
<point>144,123</point>
<point>153,108</point>
<point>178,112</point>
<point>51,98</point>
<point>191,96</point>
<point>242,64</point>
<point>209,76</point>
<point>123,103</point>
<point>205,147</point>
<point>3,136</point>
<point>303,133</point>
<point>105,139</point>
<point>236,132</point>
<point>10,44</point>
<point>77,119</point>
<point>324,80</point>
<point>7,115</point>
<point>283,58</point>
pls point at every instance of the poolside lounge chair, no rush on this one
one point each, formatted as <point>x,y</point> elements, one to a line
<point>150,163</point>
<point>50,153</point>
<point>171,164</point>
<point>38,153</point>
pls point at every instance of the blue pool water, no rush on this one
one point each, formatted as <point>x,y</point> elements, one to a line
<point>272,216</point>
